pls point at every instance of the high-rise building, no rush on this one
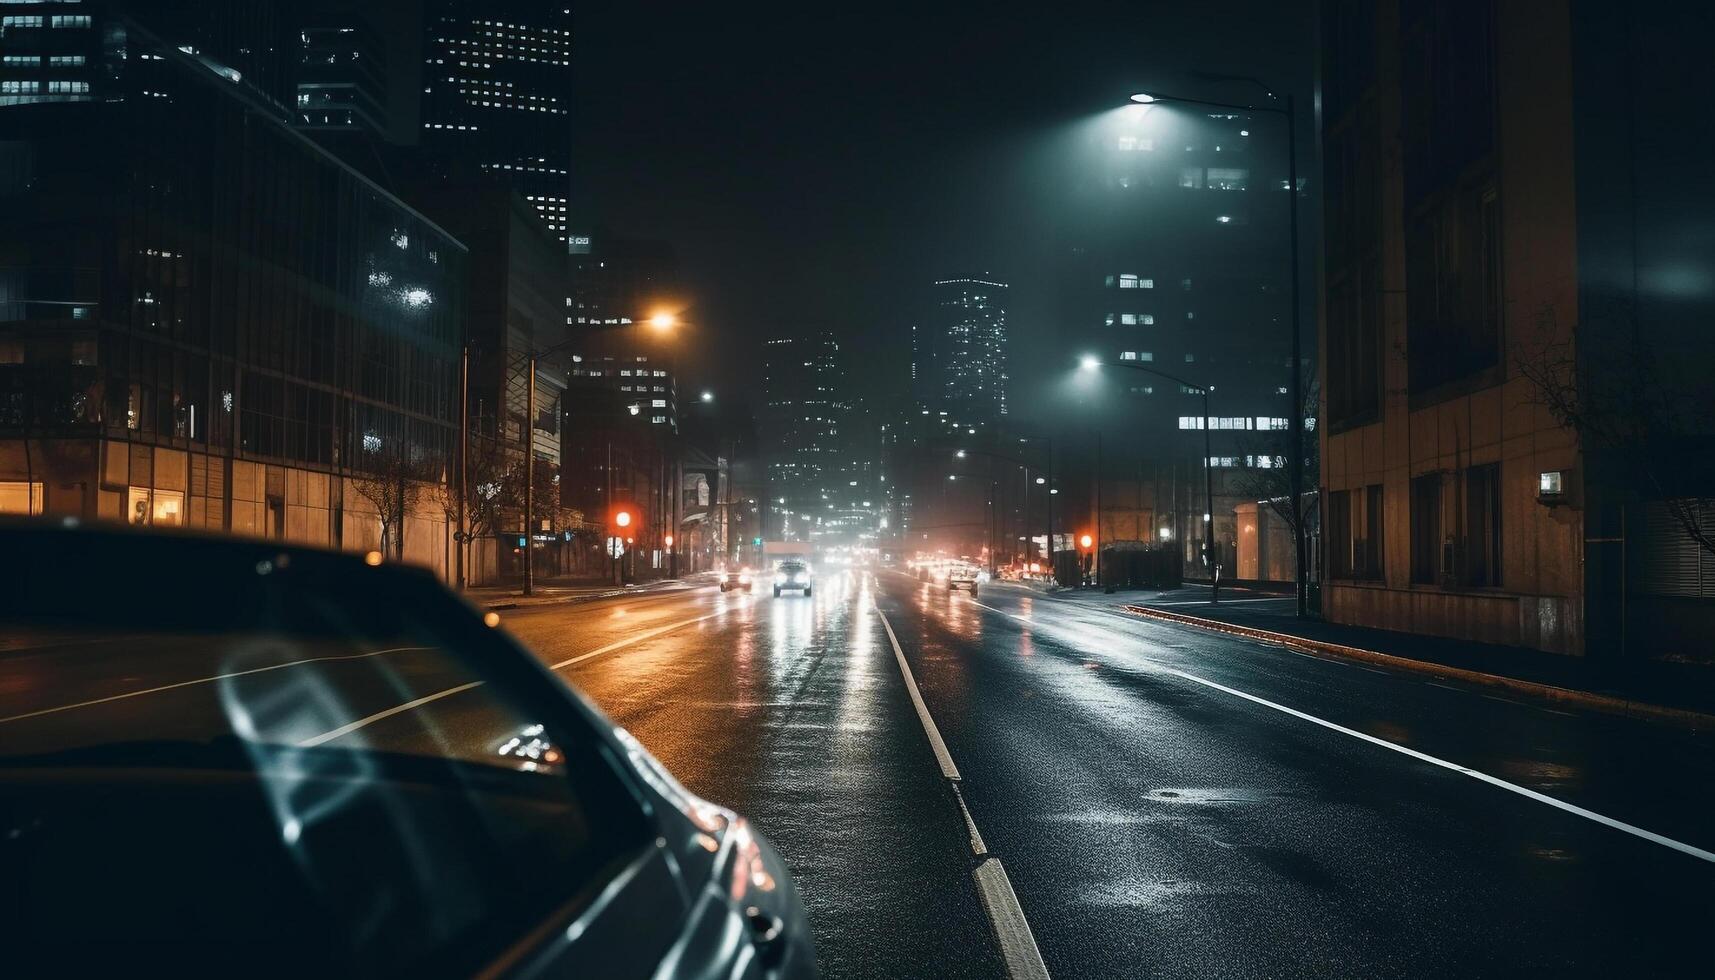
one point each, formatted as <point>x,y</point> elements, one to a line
<point>497,97</point>
<point>65,51</point>
<point>800,432</point>
<point>1174,257</point>
<point>959,362</point>
<point>207,320</point>
<point>342,76</point>
<point>1494,259</point>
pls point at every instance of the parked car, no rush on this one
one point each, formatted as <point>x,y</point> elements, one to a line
<point>735,578</point>
<point>223,757</point>
<point>793,576</point>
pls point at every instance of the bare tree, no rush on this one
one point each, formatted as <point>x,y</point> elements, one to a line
<point>393,484</point>
<point>1268,478</point>
<point>487,472</point>
<point>1619,398</point>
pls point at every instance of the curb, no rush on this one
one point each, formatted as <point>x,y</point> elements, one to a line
<point>1604,703</point>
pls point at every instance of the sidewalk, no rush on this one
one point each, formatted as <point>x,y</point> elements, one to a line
<point>1682,694</point>
<point>511,596</point>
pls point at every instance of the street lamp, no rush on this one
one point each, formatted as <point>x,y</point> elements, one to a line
<point>1090,362</point>
<point>1040,481</point>
<point>1289,112</point>
<point>661,321</point>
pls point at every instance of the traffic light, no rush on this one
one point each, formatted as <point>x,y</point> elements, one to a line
<point>756,542</point>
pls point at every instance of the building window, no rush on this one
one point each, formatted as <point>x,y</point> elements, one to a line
<point>1355,533</point>
<point>1426,529</point>
<point>20,497</point>
<point>1228,178</point>
<point>1483,525</point>
<point>1128,355</point>
<point>1134,282</point>
<point>1191,177</point>
<point>163,507</point>
<point>70,20</point>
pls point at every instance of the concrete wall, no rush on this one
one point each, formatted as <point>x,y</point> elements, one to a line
<point>1539,600</point>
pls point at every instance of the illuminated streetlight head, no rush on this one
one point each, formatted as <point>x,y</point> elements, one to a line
<point>663,321</point>
<point>1143,98</point>
<point>960,454</point>
<point>1089,362</point>
<point>1041,480</point>
<point>708,396</point>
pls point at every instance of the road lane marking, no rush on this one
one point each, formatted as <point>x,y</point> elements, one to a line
<point>350,727</point>
<point>205,680</point>
<point>346,729</point>
<point>1572,808</point>
<point>1017,943</point>
<point>942,756</point>
<point>978,847</point>
<point>648,634</point>
<point>1018,948</point>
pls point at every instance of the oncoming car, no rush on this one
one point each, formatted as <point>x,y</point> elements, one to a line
<point>962,575</point>
<point>793,575</point>
<point>735,578</point>
<point>300,764</point>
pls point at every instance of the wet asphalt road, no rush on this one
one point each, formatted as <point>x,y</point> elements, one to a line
<point>1157,810</point>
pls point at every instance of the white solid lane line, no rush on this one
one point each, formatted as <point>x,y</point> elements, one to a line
<point>350,727</point>
<point>312,742</point>
<point>205,680</point>
<point>1006,917</point>
<point>1572,808</point>
<point>942,756</point>
<point>648,634</point>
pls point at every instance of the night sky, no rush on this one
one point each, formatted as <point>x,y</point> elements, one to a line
<point>816,165</point>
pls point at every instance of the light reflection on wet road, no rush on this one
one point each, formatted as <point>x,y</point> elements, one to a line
<point>1151,818</point>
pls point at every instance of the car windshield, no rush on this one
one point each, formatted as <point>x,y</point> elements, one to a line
<point>276,756</point>
<point>791,567</point>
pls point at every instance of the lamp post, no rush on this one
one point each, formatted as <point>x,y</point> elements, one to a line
<point>661,322</point>
<point>1040,481</point>
<point>1092,363</point>
<point>1289,112</point>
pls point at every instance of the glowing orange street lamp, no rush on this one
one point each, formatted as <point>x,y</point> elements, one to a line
<point>669,541</point>
<point>1085,542</point>
<point>623,518</point>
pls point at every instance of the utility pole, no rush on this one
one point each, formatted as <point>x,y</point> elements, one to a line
<point>529,475</point>
<point>1297,417</point>
<point>462,535</point>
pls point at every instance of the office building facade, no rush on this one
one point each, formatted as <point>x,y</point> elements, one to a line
<point>206,320</point>
<point>1487,245</point>
<point>496,98</point>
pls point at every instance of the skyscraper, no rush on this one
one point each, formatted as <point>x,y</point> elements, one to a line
<point>960,355</point>
<point>496,97</point>
<point>800,432</point>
